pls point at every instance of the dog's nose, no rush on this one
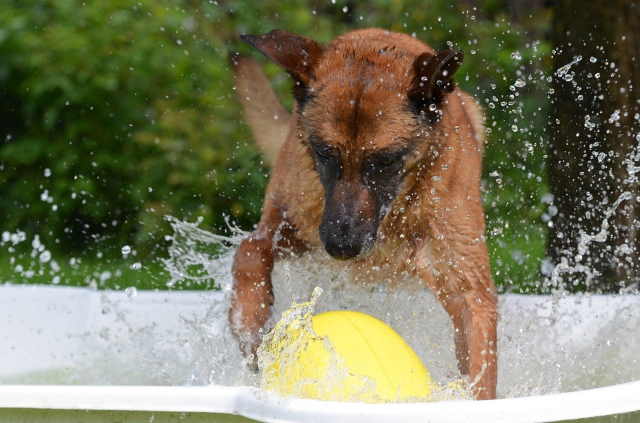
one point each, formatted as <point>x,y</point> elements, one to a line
<point>342,249</point>
<point>341,240</point>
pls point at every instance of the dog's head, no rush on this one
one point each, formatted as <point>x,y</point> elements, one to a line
<point>366,108</point>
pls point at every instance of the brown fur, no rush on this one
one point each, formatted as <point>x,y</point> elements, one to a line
<point>434,228</point>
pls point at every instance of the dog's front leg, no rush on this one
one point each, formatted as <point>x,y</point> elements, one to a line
<point>464,288</point>
<point>252,295</point>
<point>474,319</point>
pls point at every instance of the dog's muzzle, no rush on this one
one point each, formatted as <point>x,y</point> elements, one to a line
<point>344,240</point>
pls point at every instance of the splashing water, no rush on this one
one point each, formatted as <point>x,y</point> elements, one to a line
<point>565,72</point>
<point>555,344</point>
<point>546,344</point>
<point>571,264</point>
<point>196,255</point>
<point>282,347</point>
<point>289,336</point>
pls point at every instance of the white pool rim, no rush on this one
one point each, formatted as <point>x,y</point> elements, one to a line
<point>255,404</point>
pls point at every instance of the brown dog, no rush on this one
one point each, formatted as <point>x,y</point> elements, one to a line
<point>380,164</point>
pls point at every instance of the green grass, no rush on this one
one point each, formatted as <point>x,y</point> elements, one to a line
<point>96,272</point>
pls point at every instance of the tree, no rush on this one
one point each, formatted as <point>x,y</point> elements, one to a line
<point>595,145</point>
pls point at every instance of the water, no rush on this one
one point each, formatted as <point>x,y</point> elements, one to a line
<point>547,344</point>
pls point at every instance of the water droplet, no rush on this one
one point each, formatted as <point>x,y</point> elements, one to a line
<point>593,59</point>
<point>126,250</point>
<point>45,256</point>
<point>36,244</point>
<point>615,116</point>
<point>587,122</point>
<point>516,55</point>
<point>520,83</point>
<point>136,266</point>
<point>131,292</point>
<point>47,172</point>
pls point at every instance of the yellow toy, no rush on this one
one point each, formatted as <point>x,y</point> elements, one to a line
<point>352,357</point>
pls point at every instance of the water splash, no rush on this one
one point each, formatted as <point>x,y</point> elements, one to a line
<point>564,72</point>
<point>299,282</point>
<point>546,344</point>
<point>293,335</point>
<point>280,352</point>
<point>570,264</point>
<point>198,256</point>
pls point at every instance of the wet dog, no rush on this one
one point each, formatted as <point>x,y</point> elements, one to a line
<point>379,164</point>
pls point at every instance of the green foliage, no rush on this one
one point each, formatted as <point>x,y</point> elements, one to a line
<point>128,111</point>
<point>116,113</point>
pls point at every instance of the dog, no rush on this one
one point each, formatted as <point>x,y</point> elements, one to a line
<point>379,163</point>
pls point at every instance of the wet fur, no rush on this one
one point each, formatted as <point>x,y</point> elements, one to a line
<point>356,102</point>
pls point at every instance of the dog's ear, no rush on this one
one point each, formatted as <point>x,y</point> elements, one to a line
<point>433,78</point>
<point>297,55</point>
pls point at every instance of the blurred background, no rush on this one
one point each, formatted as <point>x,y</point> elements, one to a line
<point>115,114</point>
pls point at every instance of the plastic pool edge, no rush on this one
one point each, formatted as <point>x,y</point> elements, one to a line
<point>255,404</point>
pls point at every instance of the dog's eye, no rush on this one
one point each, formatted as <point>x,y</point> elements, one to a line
<point>385,163</point>
<point>323,152</point>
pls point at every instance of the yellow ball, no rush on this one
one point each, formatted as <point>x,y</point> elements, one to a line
<point>363,360</point>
